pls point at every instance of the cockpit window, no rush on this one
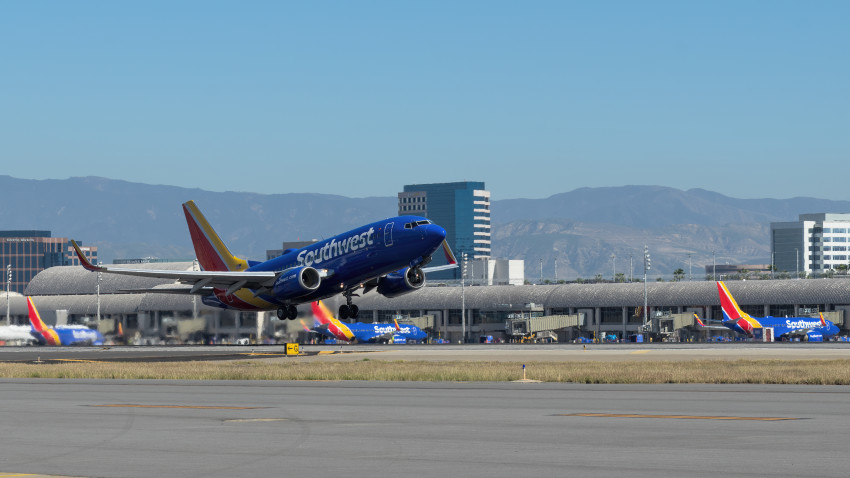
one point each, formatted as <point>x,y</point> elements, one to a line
<point>411,225</point>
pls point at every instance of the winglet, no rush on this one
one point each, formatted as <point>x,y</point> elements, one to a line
<point>822,320</point>
<point>397,328</point>
<point>83,260</point>
<point>450,257</point>
<point>697,319</point>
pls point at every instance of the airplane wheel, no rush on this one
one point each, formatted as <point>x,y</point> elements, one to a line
<point>355,311</point>
<point>281,314</point>
<point>292,312</point>
<point>344,312</point>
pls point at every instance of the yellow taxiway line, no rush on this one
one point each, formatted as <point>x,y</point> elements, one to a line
<point>685,417</point>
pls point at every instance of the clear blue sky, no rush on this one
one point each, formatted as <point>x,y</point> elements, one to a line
<point>746,98</point>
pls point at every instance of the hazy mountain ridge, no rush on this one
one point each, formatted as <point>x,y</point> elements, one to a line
<point>581,228</point>
<point>585,249</point>
<point>655,206</point>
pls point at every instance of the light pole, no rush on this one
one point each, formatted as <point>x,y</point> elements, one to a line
<point>556,270</point>
<point>195,296</point>
<point>714,266</point>
<point>99,278</point>
<point>541,271</point>
<point>463,300</point>
<point>797,260</point>
<point>8,286</point>
<point>613,267</point>
<point>690,269</point>
<point>646,266</point>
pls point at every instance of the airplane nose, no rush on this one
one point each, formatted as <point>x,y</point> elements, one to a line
<point>435,233</point>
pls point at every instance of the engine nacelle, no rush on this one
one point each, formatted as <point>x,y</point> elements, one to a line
<point>813,336</point>
<point>296,282</point>
<point>401,282</point>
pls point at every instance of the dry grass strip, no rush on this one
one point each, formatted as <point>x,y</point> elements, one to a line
<point>814,372</point>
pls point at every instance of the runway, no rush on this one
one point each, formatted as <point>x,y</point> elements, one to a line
<point>103,428</point>
<point>472,352</point>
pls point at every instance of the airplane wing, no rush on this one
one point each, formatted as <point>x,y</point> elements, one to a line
<point>700,324</point>
<point>228,280</point>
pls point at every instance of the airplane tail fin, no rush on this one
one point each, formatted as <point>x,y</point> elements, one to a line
<point>39,326</point>
<point>35,317</point>
<point>397,328</point>
<point>728,305</point>
<point>698,321</point>
<point>304,326</point>
<point>211,252</point>
<point>321,312</point>
<point>822,320</point>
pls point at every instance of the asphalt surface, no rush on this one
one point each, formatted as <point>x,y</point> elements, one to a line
<point>484,352</point>
<point>103,428</point>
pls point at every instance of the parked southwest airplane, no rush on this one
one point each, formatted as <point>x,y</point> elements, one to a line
<point>61,334</point>
<point>388,256</point>
<point>331,327</point>
<point>736,319</point>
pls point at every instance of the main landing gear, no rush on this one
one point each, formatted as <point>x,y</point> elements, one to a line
<point>287,312</point>
<point>348,310</point>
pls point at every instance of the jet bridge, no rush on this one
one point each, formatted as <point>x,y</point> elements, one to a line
<point>525,327</point>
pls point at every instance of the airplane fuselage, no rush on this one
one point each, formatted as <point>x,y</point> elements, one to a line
<point>370,332</point>
<point>783,326</point>
<point>345,260</point>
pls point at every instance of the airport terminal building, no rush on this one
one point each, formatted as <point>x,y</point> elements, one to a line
<point>68,294</point>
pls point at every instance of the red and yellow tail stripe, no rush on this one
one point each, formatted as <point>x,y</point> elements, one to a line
<point>730,306</point>
<point>50,335</point>
<point>697,319</point>
<point>212,254</point>
<point>450,257</point>
<point>324,316</point>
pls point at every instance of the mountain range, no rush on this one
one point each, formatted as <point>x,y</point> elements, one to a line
<point>580,229</point>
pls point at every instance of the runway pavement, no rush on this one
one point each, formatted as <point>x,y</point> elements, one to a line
<point>476,352</point>
<point>103,428</point>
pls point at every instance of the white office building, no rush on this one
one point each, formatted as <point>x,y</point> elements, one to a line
<point>816,243</point>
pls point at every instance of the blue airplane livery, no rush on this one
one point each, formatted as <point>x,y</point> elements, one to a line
<point>329,326</point>
<point>388,256</point>
<point>806,328</point>
<point>61,334</point>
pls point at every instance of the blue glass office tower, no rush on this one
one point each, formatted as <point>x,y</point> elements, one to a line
<point>462,208</point>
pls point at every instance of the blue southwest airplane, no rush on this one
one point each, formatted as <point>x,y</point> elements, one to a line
<point>331,327</point>
<point>388,256</point>
<point>734,318</point>
<point>61,334</point>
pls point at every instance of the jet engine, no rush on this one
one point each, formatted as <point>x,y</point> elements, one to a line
<point>401,282</point>
<point>296,282</point>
